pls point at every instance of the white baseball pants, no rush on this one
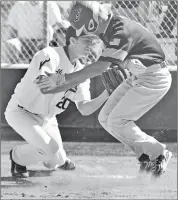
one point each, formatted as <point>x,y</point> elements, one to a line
<point>43,138</point>
<point>132,99</point>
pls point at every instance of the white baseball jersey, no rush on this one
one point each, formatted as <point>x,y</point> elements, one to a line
<point>28,95</point>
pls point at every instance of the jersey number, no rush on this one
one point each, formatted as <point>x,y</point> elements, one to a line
<point>63,104</point>
<point>66,101</point>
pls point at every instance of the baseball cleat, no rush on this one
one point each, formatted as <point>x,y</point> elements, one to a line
<point>18,170</point>
<point>68,165</point>
<point>159,165</point>
<point>144,163</point>
<point>144,167</point>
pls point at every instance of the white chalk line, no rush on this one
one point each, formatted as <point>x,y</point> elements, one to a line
<point>110,176</point>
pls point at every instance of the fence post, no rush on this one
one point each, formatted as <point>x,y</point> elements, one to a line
<point>45,24</point>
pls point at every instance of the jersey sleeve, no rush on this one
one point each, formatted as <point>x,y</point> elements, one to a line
<point>47,60</point>
<point>118,42</point>
<point>83,92</point>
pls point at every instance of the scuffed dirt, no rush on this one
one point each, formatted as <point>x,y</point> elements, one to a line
<point>96,177</point>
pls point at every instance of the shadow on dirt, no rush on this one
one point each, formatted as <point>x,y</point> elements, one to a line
<point>40,173</point>
<point>8,181</point>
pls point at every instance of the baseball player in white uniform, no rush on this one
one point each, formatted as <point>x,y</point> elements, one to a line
<point>32,114</point>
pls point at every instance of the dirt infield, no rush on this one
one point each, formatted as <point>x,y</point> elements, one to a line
<point>104,171</point>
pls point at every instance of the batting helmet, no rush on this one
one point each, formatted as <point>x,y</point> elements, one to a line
<point>82,18</point>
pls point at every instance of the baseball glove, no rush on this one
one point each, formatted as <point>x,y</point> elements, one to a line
<point>113,77</point>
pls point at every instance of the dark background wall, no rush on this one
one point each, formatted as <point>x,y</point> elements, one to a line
<point>160,121</point>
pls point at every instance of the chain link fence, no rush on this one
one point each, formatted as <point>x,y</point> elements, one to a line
<point>23,32</point>
<point>160,17</point>
<point>28,27</point>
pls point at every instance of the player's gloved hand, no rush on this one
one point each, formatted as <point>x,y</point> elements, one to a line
<point>113,77</point>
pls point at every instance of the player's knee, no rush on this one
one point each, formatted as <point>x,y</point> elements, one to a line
<point>50,165</point>
<point>102,118</point>
<point>102,121</point>
<point>53,163</point>
<point>117,122</point>
<point>6,116</point>
<point>9,118</point>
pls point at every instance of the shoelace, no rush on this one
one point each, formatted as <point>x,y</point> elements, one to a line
<point>151,165</point>
<point>145,165</point>
<point>156,165</point>
<point>148,166</point>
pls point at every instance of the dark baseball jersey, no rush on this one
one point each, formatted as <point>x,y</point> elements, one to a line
<point>125,39</point>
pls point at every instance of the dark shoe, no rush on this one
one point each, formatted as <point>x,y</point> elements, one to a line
<point>18,170</point>
<point>68,165</point>
<point>144,163</point>
<point>159,165</point>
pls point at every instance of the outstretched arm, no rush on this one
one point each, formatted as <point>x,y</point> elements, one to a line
<point>89,107</point>
<point>73,79</point>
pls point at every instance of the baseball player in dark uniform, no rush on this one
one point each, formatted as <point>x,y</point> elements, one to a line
<point>133,47</point>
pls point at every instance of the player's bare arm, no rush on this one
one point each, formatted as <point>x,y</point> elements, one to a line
<point>89,107</point>
<point>47,83</point>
